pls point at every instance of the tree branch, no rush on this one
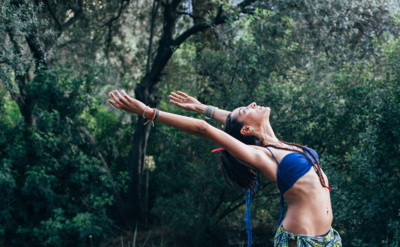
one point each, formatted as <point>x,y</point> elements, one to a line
<point>76,16</point>
<point>230,208</point>
<point>59,26</point>
<point>220,201</point>
<point>219,19</point>
<point>167,44</point>
<point>175,4</point>
<point>109,23</point>
<point>149,50</point>
<point>244,4</point>
<point>191,15</point>
<point>36,49</point>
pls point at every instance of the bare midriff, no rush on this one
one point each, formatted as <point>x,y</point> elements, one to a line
<point>309,206</point>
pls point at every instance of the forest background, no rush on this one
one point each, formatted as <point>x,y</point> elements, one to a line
<point>76,172</point>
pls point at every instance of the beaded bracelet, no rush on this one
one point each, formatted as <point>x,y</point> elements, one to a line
<point>208,113</point>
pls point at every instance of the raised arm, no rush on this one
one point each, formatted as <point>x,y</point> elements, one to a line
<point>250,155</point>
<point>191,104</point>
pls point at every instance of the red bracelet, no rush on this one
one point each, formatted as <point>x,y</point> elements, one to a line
<point>152,116</point>
<point>154,113</point>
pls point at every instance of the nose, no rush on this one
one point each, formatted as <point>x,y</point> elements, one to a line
<point>252,105</point>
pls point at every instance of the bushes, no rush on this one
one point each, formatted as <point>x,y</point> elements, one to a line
<point>55,190</point>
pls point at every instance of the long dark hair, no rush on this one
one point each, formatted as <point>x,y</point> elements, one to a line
<point>235,173</point>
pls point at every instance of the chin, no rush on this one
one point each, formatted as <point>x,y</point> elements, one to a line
<point>266,111</point>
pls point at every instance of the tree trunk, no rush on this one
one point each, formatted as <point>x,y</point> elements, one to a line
<point>146,93</point>
<point>133,210</point>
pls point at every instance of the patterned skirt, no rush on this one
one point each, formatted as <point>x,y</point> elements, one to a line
<point>330,239</point>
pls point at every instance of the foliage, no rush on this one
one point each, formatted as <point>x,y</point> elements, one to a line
<point>56,189</point>
<point>346,110</point>
<point>329,70</point>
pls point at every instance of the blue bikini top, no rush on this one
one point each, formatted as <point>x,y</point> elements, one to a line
<point>292,167</point>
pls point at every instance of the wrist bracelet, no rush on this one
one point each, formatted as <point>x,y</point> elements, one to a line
<point>212,113</point>
<point>153,117</point>
<point>157,112</point>
<point>209,112</point>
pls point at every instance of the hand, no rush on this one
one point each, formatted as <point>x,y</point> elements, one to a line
<point>126,103</point>
<point>183,100</point>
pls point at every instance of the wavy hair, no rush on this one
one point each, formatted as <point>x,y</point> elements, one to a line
<point>235,173</point>
<point>238,174</point>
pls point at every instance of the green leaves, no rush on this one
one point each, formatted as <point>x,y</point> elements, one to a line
<point>56,188</point>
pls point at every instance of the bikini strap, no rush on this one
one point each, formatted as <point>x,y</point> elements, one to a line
<point>272,155</point>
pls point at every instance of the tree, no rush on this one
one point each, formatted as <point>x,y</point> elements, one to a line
<point>319,67</point>
<point>48,168</point>
<point>145,91</point>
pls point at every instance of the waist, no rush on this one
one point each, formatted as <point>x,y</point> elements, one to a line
<point>301,219</point>
<point>309,207</point>
<point>308,235</point>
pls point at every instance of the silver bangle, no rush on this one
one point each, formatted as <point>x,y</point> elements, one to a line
<point>208,111</point>
<point>212,113</point>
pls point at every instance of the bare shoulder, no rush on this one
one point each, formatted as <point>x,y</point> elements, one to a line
<point>249,155</point>
<point>265,163</point>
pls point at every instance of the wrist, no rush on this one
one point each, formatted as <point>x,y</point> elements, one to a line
<point>200,108</point>
<point>147,112</point>
<point>153,114</point>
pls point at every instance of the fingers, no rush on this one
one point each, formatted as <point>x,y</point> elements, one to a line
<point>114,97</point>
<point>116,102</point>
<point>119,100</point>
<point>127,96</point>
<point>182,93</point>
<point>176,103</point>
<point>122,99</point>
<point>176,97</point>
<point>112,103</point>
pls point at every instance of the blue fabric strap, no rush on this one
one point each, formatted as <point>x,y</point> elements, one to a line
<point>272,155</point>
<point>282,208</point>
<point>249,194</point>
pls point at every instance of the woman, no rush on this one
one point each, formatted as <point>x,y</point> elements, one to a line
<point>249,144</point>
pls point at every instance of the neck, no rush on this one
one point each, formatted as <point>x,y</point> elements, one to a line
<point>267,136</point>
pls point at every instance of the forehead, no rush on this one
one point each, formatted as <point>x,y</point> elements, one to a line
<point>237,113</point>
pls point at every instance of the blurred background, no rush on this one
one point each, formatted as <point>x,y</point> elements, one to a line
<point>76,172</point>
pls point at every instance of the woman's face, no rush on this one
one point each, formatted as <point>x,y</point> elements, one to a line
<point>252,114</point>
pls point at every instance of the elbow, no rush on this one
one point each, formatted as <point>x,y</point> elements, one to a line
<point>202,128</point>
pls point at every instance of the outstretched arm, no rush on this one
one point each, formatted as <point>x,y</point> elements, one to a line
<point>250,155</point>
<point>191,104</point>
